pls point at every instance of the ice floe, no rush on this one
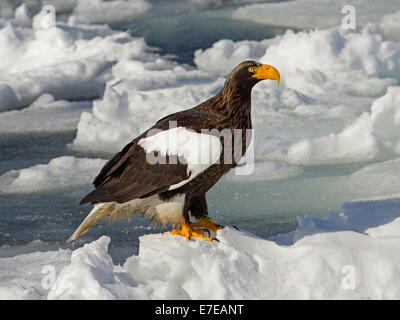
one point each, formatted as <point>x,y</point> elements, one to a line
<point>60,172</point>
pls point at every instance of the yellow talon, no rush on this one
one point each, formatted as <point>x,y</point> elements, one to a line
<point>186,230</point>
<point>207,223</point>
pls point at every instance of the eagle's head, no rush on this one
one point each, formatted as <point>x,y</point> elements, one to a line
<point>248,73</point>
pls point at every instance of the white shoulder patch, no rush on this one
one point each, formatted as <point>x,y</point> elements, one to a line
<point>199,150</point>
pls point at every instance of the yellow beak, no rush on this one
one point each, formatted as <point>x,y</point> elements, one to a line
<point>266,71</point>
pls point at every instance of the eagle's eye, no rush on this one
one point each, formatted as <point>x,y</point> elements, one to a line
<point>251,69</point>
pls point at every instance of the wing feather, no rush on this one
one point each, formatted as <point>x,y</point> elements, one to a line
<point>128,175</point>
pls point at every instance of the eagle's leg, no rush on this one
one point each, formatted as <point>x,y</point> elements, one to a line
<point>198,209</point>
<point>185,229</point>
<point>206,222</point>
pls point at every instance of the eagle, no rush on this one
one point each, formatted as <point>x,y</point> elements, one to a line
<point>165,172</point>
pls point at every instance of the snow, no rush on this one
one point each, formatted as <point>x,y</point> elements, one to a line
<point>23,276</point>
<point>60,172</point>
<point>356,63</point>
<point>336,76</point>
<point>372,133</point>
<point>349,255</point>
<point>69,61</point>
<point>142,93</point>
<point>226,54</point>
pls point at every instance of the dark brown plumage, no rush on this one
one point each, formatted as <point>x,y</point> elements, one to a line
<point>128,175</point>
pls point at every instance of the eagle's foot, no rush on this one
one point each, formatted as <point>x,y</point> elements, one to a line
<point>185,229</point>
<point>206,222</point>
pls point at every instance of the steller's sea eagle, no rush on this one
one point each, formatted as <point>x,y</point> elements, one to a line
<point>166,171</point>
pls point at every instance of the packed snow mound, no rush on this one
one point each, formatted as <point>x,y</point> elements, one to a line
<point>316,62</point>
<point>371,134</point>
<point>69,60</point>
<point>58,173</point>
<point>29,276</point>
<point>44,114</point>
<point>349,255</point>
<point>244,266</point>
<point>357,63</point>
<point>314,13</point>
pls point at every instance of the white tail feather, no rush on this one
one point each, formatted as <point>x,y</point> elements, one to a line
<point>152,207</point>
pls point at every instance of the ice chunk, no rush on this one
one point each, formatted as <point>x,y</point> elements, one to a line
<point>29,276</point>
<point>22,16</point>
<point>69,62</point>
<point>225,55</point>
<point>314,13</point>
<point>323,61</point>
<point>58,173</point>
<point>383,176</point>
<point>372,133</point>
<point>44,114</point>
